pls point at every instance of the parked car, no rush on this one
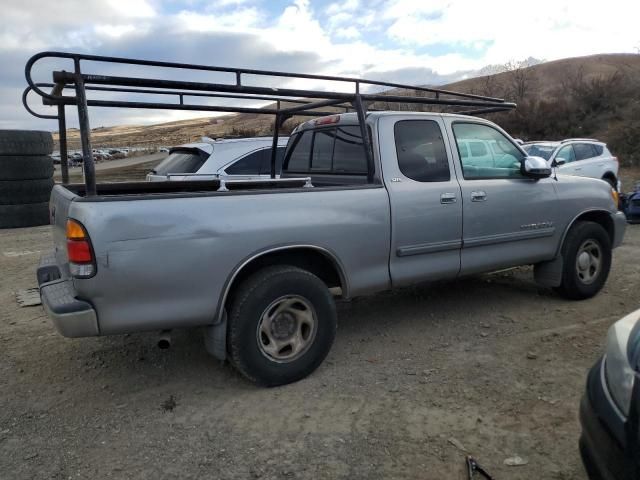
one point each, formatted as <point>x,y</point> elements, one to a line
<point>630,204</point>
<point>578,156</point>
<point>255,262</point>
<point>237,157</point>
<point>610,407</point>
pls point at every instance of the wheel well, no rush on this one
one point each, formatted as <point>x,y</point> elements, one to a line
<point>319,263</point>
<point>609,175</point>
<point>601,218</point>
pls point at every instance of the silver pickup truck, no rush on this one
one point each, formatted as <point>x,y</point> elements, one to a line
<point>258,264</point>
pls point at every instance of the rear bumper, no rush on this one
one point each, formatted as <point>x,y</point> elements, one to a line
<point>620,225</point>
<point>71,317</point>
<point>603,440</point>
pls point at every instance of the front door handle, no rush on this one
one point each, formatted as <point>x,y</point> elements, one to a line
<point>577,169</point>
<point>448,198</point>
<point>478,196</point>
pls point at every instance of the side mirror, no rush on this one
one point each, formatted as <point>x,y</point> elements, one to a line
<point>559,161</point>
<point>536,167</point>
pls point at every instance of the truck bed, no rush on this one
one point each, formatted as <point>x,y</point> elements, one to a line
<point>140,190</point>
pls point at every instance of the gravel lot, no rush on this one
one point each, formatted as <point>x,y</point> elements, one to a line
<point>490,364</point>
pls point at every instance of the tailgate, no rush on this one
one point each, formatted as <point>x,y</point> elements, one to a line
<point>59,203</point>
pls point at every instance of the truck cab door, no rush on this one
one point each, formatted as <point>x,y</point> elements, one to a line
<point>508,219</point>
<point>426,212</point>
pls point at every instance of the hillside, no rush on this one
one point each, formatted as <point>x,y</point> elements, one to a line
<point>596,95</point>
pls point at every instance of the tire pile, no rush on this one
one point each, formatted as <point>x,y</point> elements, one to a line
<point>26,178</point>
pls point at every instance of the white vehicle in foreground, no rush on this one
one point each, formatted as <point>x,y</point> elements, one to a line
<point>583,157</point>
<point>209,159</point>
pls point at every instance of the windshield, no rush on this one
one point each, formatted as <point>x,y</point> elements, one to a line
<point>181,161</point>
<point>543,151</point>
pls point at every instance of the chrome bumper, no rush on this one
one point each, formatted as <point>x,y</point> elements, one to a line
<point>71,317</point>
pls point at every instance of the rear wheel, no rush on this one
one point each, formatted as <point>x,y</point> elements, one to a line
<point>282,324</point>
<point>586,255</point>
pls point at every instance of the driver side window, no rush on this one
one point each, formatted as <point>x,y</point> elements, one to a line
<point>567,154</point>
<point>502,159</point>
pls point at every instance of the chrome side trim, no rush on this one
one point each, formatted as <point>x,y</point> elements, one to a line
<point>428,248</point>
<point>509,237</point>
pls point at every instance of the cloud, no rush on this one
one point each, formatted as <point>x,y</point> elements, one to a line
<point>398,40</point>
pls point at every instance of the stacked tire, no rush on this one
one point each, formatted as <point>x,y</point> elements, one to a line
<point>26,178</point>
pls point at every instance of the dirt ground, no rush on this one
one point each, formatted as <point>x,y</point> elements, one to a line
<point>489,364</point>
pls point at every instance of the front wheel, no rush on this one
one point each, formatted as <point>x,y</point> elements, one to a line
<point>282,324</point>
<point>586,256</point>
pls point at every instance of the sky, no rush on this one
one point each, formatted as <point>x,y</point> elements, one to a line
<point>410,41</point>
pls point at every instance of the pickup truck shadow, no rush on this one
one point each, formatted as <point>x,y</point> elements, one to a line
<point>424,310</point>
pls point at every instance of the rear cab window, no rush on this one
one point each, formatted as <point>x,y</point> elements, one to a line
<point>336,150</point>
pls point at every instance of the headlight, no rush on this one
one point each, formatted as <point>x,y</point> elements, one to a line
<point>618,367</point>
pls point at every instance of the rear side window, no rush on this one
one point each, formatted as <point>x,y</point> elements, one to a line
<point>598,149</point>
<point>181,161</point>
<point>249,165</point>
<point>583,151</point>
<point>266,161</point>
<point>337,150</point>
<point>421,152</point>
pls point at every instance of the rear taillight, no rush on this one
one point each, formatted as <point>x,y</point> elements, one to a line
<point>82,262</point>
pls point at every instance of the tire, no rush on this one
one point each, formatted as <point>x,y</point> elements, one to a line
<point>14,192</point>
<point>579,283</point>
<point>26,167</point>
<point>267,290</point>
<point>29,215</point>
<point>25,142</point>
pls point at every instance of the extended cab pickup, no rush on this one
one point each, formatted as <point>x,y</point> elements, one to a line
<point>259,263</point>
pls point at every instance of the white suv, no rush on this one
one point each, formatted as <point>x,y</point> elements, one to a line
<point>584,157</point>
<point>237,158</point>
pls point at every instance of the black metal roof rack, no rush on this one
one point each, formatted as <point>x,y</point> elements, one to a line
<point>83,83</point>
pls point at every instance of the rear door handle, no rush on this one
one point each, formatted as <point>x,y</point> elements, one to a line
<point>478,196</point>
<point>448,198</point>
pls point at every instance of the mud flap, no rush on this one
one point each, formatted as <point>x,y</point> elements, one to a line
<point>215,338</point>
<point>549,274</point>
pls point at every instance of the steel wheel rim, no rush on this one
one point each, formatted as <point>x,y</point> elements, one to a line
<point>287,328</point>
<point>589,261</point>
